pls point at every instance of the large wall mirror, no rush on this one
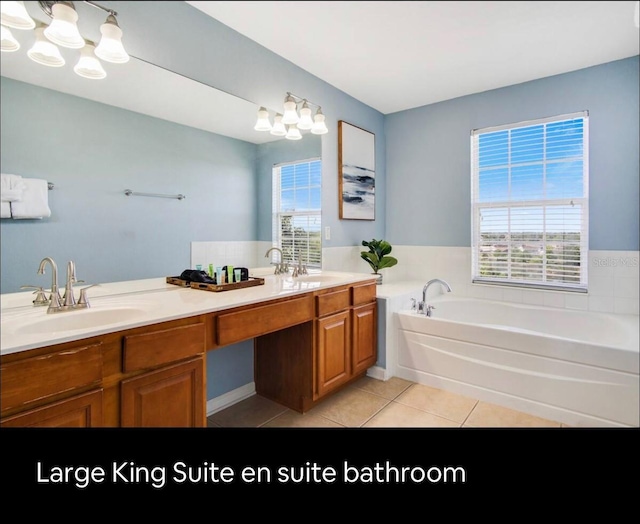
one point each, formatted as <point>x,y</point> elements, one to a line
<point>142,128</point>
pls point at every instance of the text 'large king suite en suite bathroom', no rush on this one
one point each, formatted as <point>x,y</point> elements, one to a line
<point>310,218</point>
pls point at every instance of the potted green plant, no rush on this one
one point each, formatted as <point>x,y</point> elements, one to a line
<point>378,256</point>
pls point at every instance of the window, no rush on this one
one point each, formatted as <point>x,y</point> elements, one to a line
<point>530,203</point>
<point>296,211</point>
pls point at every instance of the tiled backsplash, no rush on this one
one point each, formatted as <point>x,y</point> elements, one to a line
<point>614,276</point>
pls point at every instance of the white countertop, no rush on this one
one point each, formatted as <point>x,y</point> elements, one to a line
<point>125,305</point>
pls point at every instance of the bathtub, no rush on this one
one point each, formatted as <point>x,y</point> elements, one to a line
<point>579,368</point>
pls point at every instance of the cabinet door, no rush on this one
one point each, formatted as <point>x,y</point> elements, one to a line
<point>333,350</point>
<point>364,343</point>
<point>80,411</point>
<point>172,396</point>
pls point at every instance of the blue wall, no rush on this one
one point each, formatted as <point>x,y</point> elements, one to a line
<point>428,155</point>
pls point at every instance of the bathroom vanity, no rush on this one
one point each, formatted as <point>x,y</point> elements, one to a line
<point>139,359</point>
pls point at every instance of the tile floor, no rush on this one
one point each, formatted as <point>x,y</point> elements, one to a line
<point>369,402</point>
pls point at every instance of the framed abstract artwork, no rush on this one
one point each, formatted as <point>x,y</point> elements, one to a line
<point>356,172</point>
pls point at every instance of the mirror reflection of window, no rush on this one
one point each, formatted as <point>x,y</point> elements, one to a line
<point>297,203</point>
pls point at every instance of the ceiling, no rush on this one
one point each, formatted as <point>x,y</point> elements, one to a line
<point>397,55</point>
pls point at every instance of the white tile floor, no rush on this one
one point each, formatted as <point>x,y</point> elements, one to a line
<point>374,403</point>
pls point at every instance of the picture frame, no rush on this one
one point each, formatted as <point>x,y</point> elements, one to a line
<point>356,172</point>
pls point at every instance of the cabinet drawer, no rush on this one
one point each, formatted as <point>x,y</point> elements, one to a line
<point>363,294</point>
<point>80,411</point>
<point>332,302</point>
<point>37,378</point>
<point>148,350</point>
<point>256,321</point>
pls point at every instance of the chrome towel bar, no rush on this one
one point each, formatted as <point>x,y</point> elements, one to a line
<point>128,192</point>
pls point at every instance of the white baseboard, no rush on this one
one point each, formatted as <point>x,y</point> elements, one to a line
<point>230,398</point>
<point>378,372</point>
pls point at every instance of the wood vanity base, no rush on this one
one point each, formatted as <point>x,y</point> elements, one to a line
<point>306,347</point>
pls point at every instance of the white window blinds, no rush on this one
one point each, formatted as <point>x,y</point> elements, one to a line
<point>530,203</point>
<point>297,202</point>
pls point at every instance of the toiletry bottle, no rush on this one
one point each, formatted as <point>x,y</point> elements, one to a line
<point>219,279</point>
<point>229,273</point>
<point>211,273</point>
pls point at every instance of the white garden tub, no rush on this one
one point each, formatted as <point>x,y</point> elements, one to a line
<point>576,367</point>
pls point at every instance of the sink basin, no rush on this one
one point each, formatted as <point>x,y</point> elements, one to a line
<point>74,320</point>
<point>318,278</point>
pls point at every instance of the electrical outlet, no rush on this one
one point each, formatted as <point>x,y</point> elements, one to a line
<point>327,233</point>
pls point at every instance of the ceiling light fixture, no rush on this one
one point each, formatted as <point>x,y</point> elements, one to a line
<point>290,122</point>
<point>63,31</point>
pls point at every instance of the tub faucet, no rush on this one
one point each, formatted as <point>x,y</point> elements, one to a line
<point>54,300</point>
<point>425,308</point>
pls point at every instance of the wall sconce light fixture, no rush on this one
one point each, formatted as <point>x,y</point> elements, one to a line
<point>291,120</point>
<point>63,31</point>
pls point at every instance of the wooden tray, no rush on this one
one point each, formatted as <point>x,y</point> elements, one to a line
<point>253,281</point>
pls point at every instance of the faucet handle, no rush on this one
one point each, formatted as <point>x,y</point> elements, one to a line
<point>414,306</point>
<point>427,309</point>
<point>83,301</point>
<point>41,298</point>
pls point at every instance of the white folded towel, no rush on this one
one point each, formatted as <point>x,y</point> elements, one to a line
<point>5,209</point>
<point>35,200</point>
<point>11,188</point>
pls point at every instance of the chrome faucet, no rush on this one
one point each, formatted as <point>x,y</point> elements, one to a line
<point>68,303</point>
<point>300,269</point>
<point>425,308</point>
<point>68,299</point>
<point>281,267</point>
<point>54,299</point>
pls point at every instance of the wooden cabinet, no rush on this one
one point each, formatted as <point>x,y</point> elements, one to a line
<point>79,411</point>
<point>148,376</point>
<point>171,396</point>
<point>306,347</point>
<point>333,351</point>
<point>50,380</point>
<point>300,366</point>
<point>364,337</point>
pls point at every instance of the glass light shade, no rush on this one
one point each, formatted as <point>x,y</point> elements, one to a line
<point>306,122</point>
<point>319,127</point>
<point>44,52</point>
<point>278,128</point>
<point>110,47</point>
<point>89,66</point>
<point>263,123</point>
<point>290,115</point>
<point>63,29</point>
<point>293,133</point>
<point>9,43</point>
<point>14,14</point>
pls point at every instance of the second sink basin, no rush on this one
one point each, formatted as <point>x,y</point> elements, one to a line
<point>317,278</point>
<point>322,277</point>
<point>79,319</point>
